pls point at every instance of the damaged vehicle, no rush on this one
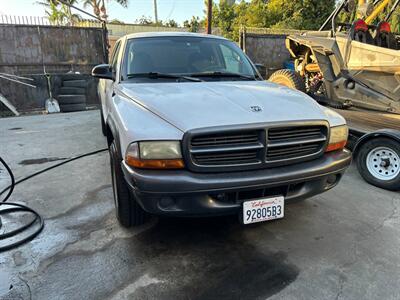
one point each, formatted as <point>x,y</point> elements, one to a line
<point>193,130</point>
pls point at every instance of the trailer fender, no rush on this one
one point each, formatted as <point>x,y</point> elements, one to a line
<point>389,133</point>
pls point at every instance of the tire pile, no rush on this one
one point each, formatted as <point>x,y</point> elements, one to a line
<point>72,95</point>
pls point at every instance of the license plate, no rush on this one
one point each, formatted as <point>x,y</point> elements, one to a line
<point>266,209</point>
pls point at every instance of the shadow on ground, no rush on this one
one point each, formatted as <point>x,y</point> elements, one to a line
<point>208,259</point>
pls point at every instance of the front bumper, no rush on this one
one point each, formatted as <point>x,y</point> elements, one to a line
<point>184,193</point>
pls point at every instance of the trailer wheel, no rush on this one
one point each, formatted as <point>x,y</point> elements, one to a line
<point>378,162</point>
<point>288,78</point>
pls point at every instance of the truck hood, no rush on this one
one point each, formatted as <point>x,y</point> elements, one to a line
<point>190,105</point>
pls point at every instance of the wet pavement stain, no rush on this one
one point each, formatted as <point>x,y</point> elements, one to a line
<point>38,161</point>
<point>90,197</point>
<point>184,258</point>
<point>208,259</point>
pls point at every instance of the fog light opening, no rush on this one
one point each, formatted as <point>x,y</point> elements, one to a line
<point>166,202</point>
<point>332,180</point>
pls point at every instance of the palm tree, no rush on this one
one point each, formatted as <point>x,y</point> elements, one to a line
<point>99,7</point>
<point>59,13</point>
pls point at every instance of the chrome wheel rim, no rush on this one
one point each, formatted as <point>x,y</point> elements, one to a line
<point>383,163</point>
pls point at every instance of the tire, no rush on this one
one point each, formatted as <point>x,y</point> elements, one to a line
<point>370,158</point>
<point>72,91</point>
<point>75,83</point>
<point>72,107</point>
<point>103,124</point>
<point>71,99</point>
<point>129,212</point>
<point>288,78</point>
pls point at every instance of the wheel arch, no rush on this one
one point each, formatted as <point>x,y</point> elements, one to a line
<point>387,133</point>
<point>112,134</point>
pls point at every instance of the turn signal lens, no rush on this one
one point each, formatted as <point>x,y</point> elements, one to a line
<point>155,163</point>
<point>155,155</point>
<point>338,138</point>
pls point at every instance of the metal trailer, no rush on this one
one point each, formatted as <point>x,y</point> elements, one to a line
<point>374,138</point>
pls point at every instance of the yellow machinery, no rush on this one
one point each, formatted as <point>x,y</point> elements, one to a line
<point>349,64</point>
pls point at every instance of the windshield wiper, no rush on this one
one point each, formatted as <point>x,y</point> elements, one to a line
<point>223,74</point>
<point>156,75</point>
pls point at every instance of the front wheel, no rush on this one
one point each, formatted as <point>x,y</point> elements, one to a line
<point>378,162</point>
<point>129,212</point>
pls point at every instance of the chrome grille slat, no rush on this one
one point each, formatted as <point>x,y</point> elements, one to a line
<point>223,158</point>
<point>228,148</point>
<point>292,150</point>
<point>276,133</point>
<point>231,149</point>
<point>295,142</point>
<point>321,138</point>
<point>228,156</point>
<point>214,140</point>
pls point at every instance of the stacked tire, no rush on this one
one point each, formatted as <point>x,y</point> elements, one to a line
<point>72,96</point>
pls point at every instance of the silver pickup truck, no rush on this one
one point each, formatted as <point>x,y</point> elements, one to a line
<point>193,130</point>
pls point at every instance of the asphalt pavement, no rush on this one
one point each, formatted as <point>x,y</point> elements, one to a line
<point>343,244</point>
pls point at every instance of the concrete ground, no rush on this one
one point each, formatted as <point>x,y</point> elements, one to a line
<point>343,244</point>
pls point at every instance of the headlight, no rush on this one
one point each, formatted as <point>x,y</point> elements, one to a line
<point>155,155</point>
<point>338,138</point>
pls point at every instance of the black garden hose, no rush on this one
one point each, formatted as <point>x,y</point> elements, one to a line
<point>16,207</point>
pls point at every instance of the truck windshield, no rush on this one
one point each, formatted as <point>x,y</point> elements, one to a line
<point>195,57</point>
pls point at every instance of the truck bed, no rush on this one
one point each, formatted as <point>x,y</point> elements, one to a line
<point>366,121</point>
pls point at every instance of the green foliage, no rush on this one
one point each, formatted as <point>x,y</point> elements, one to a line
<point>306,14</point>
<point>294,14</point>
<point>116,21</point>
<point>99,8</point>
<point>171,23</point>
<point>143,20</point>
<point>59,13</point>
<point>193,24</point>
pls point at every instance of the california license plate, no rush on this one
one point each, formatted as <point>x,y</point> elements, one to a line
<point>261,210</point>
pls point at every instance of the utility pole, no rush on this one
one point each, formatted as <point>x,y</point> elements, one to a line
<point>155,12</point>
<point>209,16</point>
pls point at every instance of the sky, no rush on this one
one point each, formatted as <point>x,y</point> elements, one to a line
<point>179,10</point>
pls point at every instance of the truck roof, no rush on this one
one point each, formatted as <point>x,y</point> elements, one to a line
<point>171,34</point>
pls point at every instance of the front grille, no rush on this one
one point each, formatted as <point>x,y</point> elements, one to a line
<point>287,143</point>
<point>227,149</point>
<point>263,147</point>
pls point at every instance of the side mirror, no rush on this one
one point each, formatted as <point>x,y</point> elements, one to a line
<point>103,71</point>
<point>261,69</point>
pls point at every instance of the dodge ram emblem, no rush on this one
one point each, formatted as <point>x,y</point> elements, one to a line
<point>255,108</point>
